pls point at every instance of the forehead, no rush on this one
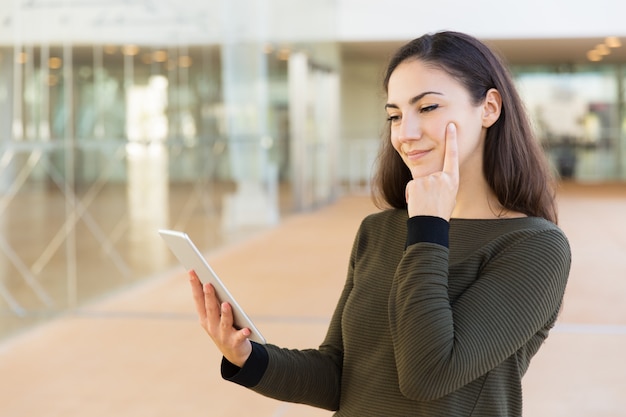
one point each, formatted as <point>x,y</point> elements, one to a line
<point>413,75</point>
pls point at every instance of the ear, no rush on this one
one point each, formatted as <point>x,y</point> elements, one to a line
<point>492,106</point>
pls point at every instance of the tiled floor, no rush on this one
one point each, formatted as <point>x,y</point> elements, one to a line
<point>140,352</point>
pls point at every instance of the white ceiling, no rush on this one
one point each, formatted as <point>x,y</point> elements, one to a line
<point>198,22</point>
<point>515,51</point>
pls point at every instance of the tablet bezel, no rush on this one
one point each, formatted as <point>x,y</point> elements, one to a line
<point>190,257</point>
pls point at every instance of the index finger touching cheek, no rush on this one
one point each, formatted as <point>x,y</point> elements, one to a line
<point>451,158</point>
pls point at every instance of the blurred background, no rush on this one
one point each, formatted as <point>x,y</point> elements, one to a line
<point>253,125</point>
<point>223,117</point>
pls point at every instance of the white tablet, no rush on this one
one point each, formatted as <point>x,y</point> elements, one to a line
<point>191,258</point>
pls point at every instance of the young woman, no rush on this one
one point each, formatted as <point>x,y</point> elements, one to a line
<point>454,286</point>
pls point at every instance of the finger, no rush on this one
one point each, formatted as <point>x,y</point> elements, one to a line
<point>451,157</point>
<point>211,304</point>
<point>227,323</point>
<point>227,317</point>
<point>198,294</point>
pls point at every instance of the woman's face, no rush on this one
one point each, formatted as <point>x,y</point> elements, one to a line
<point>421,102</point>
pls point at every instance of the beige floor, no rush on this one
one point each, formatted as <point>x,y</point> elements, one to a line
<point>140,352</point>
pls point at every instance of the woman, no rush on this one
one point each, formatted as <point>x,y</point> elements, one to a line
<point>453,287</point>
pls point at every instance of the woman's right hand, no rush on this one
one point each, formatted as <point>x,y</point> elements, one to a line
<point>217,320</point>
<point>435,194</point>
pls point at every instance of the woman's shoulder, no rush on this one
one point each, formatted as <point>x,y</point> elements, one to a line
<point>385,218</point>
<point>505,225</point>
<point>543,229</point>
<point>499,234</point>
<point>382,234</point>
<point>505,230</point>
<point>384,226</point>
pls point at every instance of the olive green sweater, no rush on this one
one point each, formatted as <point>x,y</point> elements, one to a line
<point>421,329</point>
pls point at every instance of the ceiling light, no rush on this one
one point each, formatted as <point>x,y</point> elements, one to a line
<point>184,61</point>
<point>130,50</point>
<point>22,58</point>
<point>55,62</point>
<point>594,56</point>
<point>602,49</point>
<point>613,42</point>
<point>283,54</point>
<point>159,56</point>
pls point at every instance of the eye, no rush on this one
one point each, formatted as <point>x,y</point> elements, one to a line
<point>429,108</point>
<point>393,118</point>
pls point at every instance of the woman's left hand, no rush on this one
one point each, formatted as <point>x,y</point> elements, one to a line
<point>217,320</point>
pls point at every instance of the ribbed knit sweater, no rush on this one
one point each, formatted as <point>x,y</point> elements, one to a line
<point>435,319</point>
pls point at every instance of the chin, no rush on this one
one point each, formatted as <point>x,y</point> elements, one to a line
<point>423,171</point>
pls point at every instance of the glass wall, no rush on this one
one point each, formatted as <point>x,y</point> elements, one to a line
<point>102,144</point>
<point>578,112</point>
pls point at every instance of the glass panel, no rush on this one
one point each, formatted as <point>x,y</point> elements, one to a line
<point>99,149</point>
<point>576,116</point>
<point>102,144</point>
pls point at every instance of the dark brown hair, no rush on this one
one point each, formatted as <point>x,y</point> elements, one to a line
<point>514,163</point>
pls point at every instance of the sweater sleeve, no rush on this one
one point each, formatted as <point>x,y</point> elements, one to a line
<point>300,376</point>
<point>251,372</point>
<point>440,347</point>
<point>427,229</point>
<point>311,376</point>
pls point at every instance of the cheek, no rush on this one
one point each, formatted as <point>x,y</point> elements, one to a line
<point>470,145</point>
<point>395,142</point>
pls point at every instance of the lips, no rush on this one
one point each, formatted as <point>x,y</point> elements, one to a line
<point>414,155</point>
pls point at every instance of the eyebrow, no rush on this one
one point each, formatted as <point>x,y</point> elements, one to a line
<point>414,99</point>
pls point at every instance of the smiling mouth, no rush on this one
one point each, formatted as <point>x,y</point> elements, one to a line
<point>415,155</point>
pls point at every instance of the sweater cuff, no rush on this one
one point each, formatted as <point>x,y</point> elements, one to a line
<point>252,371</point>
<point>429,229</point>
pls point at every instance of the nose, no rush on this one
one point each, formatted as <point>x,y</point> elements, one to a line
<point>409,128</point>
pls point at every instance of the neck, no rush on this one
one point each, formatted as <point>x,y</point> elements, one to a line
<point>476,200</point>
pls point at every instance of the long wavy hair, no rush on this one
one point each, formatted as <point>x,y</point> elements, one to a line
<point>514,164</point>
